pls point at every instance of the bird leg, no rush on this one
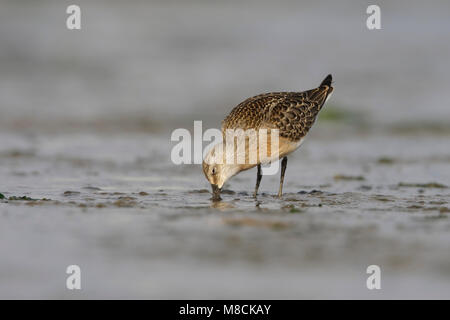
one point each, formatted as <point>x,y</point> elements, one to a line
<point>283,170</point>
<point>258,180</point>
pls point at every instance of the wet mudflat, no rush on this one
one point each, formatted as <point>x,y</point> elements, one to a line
<point>139,226</point>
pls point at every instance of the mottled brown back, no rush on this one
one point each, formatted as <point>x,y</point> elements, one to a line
<point>293,113</point>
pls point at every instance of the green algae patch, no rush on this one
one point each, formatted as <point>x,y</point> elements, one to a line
<point>383,198</point>
<point>70,193</point>
<point>444,210</point>
<point>126,202</point>
<point>23,198</point>
<point>348,178</point>
<point>336,114</point>
<point>423,185</point>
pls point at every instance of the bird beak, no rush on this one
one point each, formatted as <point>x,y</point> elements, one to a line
<point>215,192</point>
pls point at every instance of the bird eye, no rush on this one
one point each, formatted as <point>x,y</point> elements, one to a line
<point>213,171</point>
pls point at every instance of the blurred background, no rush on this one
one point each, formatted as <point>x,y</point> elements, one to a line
<point>161,62</point>
<point>85,170</point>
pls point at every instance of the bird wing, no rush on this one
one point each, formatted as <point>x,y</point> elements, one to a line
<point>296,114</point>
<point>293,113</point>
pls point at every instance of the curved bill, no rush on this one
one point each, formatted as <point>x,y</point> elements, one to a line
<point>215,192</point>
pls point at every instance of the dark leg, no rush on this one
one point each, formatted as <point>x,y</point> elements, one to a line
<point>283,170</point>
<point>258,180</point>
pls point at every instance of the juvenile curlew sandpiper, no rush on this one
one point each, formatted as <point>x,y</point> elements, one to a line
<point>291,114</point>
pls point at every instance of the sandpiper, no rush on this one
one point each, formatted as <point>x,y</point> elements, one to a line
<point>292,114</point>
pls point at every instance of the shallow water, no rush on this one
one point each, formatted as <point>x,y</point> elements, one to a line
<point>85,147</point>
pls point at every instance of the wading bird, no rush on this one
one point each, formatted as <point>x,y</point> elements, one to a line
<point>292,114</point>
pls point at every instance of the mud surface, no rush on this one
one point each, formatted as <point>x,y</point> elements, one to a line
<point>139,226</point>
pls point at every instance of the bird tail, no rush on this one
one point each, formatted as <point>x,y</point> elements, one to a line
<point>327,81</point>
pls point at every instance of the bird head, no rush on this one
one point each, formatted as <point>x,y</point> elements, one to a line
<point>217,171</point>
